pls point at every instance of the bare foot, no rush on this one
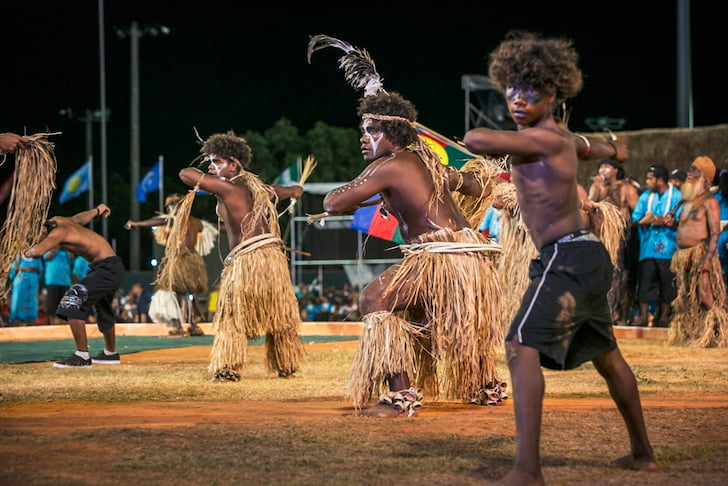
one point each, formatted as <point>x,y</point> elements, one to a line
<point>518,478</point>
<point>635,464</point>
<point>382,411</point>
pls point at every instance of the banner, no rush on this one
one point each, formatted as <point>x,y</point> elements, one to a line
<point>77,184</point>
<point>369,219</point>
<point>150,182</point>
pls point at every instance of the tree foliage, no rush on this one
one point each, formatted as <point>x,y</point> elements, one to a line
<point>337,152</point>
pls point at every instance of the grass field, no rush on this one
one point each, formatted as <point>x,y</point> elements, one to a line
<point>157,420</point>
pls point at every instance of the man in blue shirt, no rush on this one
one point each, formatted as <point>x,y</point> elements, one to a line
<point>656,281</point>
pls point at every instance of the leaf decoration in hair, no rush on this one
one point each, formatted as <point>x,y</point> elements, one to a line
<point>359,69</point>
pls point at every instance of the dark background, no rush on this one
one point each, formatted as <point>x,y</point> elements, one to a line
<point>242,66</point>
<point>230,65</point>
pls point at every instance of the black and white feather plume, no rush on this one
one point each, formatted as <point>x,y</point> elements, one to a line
<point>359,69</point>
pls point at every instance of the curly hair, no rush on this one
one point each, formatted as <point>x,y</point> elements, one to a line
<point>525,58</point>
<point>392,104</point>
<point>228,145</point>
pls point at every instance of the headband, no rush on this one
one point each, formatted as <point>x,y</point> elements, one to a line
<point>372,116</point>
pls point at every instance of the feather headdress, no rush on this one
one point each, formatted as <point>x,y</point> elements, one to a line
<point>358,66</point>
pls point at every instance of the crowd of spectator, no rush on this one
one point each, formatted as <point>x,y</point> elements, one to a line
<point>329,303</point>
<point>649,244</point>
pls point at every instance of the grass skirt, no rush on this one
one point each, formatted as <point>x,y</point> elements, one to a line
<point>451,349</point>
<point>187,275</point>
<point>691,323</point>
<point>256,298</point>
<point>164,307</point>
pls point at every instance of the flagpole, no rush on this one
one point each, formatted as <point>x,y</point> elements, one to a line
<point>91,186</point>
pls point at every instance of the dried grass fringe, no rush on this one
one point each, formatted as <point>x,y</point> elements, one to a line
<point>164,307</point>
<point>461,300</point>
<point>29,202</point>
<point>386,347</point>
<point>692,324</point>
<point>612,231</point>
<point>256,297</point>
<point>177,262</point>
<point>486,172</point>
<point>283,351</point>
<point>264,205</point>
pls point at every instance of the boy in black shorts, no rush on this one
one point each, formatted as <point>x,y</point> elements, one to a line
<point>564,317</point>
<point>95,292</point>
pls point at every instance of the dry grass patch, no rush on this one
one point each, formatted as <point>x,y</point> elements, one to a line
<point>156,420</point>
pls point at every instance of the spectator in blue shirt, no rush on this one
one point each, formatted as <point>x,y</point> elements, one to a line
<point>656,282</point>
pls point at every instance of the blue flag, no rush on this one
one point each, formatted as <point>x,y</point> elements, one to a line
<point>77,183</point>
<point>150,182</point>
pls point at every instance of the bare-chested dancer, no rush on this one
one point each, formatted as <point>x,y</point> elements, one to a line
<point>93,293</point>
<point>437,309</point>
<point>701,308</point>
<point>256,294</point>
<point>564,319</point>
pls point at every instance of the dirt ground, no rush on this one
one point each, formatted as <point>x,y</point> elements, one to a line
<point>323,441</point>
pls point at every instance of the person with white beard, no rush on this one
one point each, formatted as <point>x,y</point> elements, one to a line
<point>700,311</point>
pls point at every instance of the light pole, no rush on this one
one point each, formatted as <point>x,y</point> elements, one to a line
<point>88,118</point>
<point>135,32</point>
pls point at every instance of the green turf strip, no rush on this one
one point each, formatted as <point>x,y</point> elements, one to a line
<point>51,350</point>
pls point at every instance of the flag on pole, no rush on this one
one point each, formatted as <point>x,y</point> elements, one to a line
<point>7,187</point>
<point>370,219</point>
<point>150,182</point>
<point>450,152</point>
<point>288,176</point>
<point>77,184</point>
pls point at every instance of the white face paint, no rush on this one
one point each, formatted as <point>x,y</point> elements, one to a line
<point>373,134</point>
<point>218,164</point>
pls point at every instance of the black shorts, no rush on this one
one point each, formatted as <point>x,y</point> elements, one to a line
<point>94,293</point>
<point>564,313</point>
<point>656,281</point>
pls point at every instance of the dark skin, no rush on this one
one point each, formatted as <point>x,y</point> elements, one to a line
<point>72,235</point>
<point>12,142</point>
<point>544,165</point>
<point>606,186</point>
<point>405,186</point>
<point>234,199</point>
<point>700,225</point>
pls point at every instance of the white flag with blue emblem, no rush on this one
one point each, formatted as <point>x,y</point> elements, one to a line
<point>150,182</point>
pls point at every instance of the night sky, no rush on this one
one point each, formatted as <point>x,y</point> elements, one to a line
<point>226,65</point>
